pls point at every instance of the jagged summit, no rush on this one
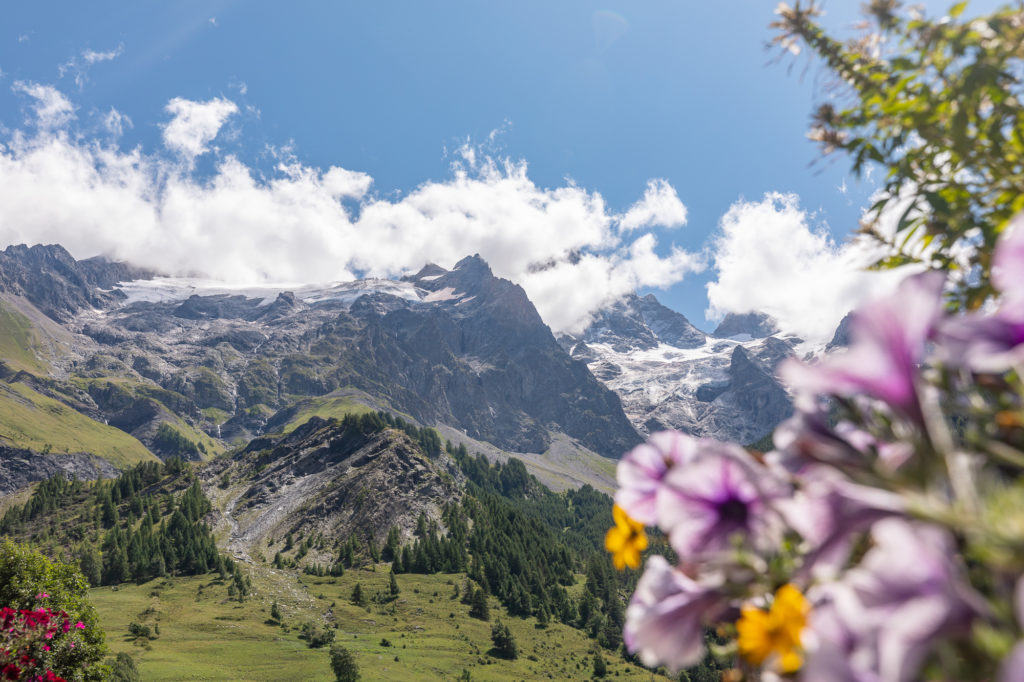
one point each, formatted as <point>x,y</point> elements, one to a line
<point>754,324</point>
<point>459,348</point>
<point>57,284</point>
<point>634,323</point>
<point>670,375</point>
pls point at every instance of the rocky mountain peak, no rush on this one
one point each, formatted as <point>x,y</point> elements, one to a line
<point>754,324</point>
<point>634,323</point>
<point>57,284</point>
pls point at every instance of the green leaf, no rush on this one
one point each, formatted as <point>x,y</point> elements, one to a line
<point>957,9</point>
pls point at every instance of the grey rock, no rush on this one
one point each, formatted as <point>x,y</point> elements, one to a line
<point>756,325</point>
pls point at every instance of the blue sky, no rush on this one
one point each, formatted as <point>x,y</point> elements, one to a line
<point>603,97</point>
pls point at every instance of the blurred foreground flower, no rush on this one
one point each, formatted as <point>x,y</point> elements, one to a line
<point>882,541</point>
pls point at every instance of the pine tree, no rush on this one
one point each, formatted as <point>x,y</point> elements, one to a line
<point>504,643</point>
<point>600,668</point>
<point>358,598</point>
<point>343,663</point>
<point>393,585</point>
<point>478,607</point>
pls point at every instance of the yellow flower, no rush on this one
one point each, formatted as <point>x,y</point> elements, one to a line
<point>625,540</point>
<point>776,632</point>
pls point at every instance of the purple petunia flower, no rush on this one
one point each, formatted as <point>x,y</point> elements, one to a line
<point>828,510</point>
<point>888,341</point>
<point>806,438</point>
<point>890,610</point>
<point>993,342</point>
<point>724,493</point>
<point>1008,262</point>
<point>641,471</point>
<point>665,618</point>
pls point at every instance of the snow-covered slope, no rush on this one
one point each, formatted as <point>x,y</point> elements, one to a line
<point>668,374</point>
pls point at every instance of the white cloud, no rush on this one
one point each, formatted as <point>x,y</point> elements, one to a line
<point>660,206</point>
<point>770,259</point>
<point>92,56</point>
<point>195,124</point>
<point>115,122</point>
<point>52,108</point>
<point>306,224</point>
<point>79,66</point>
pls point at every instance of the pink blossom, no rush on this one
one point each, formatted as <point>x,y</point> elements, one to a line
<point>642,469</point>
<point>888,342</point>
<point>80,625</point>
<point>904,596</point>
<point>725,493</point>
<point>666,616</point>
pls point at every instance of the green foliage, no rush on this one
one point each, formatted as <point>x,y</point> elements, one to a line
<point>168,439</point>
<point>478,607</point>
<point>343,664</point>
<point>358,598</point>
<point>938,104</point>
<point>24,574</point>
<point>124,669</point>
<point>600,667</point>
<point>504,643</point>
<point>143,539</point>
<point>316,635</point>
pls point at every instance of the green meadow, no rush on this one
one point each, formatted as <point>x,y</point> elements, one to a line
<point>423,634</point>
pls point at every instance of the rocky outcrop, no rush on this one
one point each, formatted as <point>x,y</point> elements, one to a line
<point>322,478</point>
<point>19,467</point>
<point>841,338</point>
<point>671,376</point>
<point>634,323</point>
<point>755,325</point>
<point>57,284</point>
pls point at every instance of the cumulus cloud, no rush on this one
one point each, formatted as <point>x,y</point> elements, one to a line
<point>52,109</point>
<point>195,124</point>
<point>300,224</point>
<point>769,258</point>
<point>659,206</point>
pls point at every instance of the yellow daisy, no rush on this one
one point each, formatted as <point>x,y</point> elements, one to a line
<point>775,632</point>
<point>625,540</point>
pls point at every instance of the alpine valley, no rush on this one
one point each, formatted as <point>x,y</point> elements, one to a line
<point>418,467</point>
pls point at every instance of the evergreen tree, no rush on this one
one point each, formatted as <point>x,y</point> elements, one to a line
<point>478,607</point>
<point>358,598</point>
<point>124,669</point>
<point>89,564</point>
<point>393,585</point>
<point>600,668</point>
<point>343,663</point>
<point>504,643</point>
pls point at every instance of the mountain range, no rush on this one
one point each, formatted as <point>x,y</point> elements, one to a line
<point>133,366</point>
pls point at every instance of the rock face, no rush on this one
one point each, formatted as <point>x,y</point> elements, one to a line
<point>641,323</point>
<point>670,375</point>
<point>755,325</point>
<point>461,348</point>
<point>323,479</point>
<point>57,284</point>
<point>19,467</point>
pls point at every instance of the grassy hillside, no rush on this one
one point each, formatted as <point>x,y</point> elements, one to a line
<point>326,407</point>
<point>204,636</point>
<point>18,341</point>
<point>31,420</point>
